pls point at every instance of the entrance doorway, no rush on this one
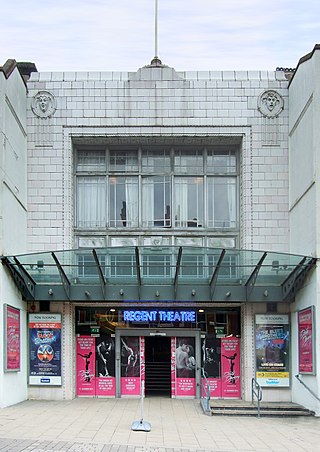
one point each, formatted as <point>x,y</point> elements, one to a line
<point>158,366</point>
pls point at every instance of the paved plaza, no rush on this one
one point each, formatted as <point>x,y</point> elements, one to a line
<point>96,425</point>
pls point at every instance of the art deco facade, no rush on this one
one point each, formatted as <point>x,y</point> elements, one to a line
<point>161,216</point>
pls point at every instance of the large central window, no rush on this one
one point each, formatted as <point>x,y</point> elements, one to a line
<point>157,188</point>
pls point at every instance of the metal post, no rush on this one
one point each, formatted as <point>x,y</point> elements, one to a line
<point>156,30</point>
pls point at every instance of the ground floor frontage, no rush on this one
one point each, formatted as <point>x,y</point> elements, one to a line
<point>171,322</point>
<point>97,351</point>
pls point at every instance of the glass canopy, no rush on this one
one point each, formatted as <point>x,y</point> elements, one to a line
<point>163,273</point>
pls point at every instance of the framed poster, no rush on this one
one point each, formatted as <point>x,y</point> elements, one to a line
<point>45,349</point>
<point>12,351</point>
<point>306,341</point>
<point>272,350</point>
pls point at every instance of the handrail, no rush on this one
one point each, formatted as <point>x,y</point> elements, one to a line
<point>205,394</point>
<point>307,388</point>
<point>256,391</point>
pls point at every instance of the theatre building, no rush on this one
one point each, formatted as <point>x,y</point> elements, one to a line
<point>159,231</point>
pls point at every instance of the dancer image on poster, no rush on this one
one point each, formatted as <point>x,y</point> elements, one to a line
<point>130,360</point>
<point>232,378</point>
<point>87,358</point>
<point>211,351</point>
<point>185,360</point>
<point>105,357</point>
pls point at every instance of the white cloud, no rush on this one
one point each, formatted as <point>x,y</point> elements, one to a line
<point>119,35</point>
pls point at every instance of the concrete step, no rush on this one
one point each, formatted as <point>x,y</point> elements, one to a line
<point>239,408</point>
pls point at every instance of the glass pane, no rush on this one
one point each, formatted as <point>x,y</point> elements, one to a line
<point>188,201</point>
<point>88,269</point>
<point>228,270</point>
<point>123,161</point>
<point>156,265</point>
<point>222,202</point>
<point>91,202</point>
<point>123,199</point>
<point>91,161</point>
<point>221,161</point>
<point>156,161</point>
<point>123,265</point>
<point>192,265</point>
<point>188,162</point>
<point>156,201</point>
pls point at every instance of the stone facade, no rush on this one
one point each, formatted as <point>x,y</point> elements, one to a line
<point>158,102</point>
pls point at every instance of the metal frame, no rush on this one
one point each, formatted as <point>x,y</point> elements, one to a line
<point>137,290</point>
<point>169,332</point>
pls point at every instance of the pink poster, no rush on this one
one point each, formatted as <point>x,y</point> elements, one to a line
<point>12,338</point>
<point>173,367</point>
<point>142,362</point>
<point>130,366</point>
<point>130,386</point>
<point>215,387</point>
<point>185,387</point>
<point>185,367</point>
<point>85,365</point>
<point>305,330</point>
<point>230,366</point>
<point>105,386</point>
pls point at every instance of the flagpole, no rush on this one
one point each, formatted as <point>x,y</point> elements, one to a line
<point>155,60</point>
<point>156,30</point>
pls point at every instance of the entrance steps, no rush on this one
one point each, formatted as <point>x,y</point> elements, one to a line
<point>158,378</point>
<point>242,408</point>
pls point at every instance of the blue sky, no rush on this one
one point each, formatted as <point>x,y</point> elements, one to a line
<point>108,35</point>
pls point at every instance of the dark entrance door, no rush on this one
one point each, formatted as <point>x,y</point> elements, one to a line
<point>158,366</point>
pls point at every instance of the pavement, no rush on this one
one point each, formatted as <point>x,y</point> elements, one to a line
<point>104,425</point>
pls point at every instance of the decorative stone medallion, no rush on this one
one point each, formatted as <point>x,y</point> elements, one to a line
<point>270,104</point>
<point>43,104</point>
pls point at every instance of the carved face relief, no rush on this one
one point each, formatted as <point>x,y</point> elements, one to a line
<point>43,104</point>
<point>270,104</point>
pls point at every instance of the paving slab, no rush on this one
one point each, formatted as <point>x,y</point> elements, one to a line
<point>104,425</point>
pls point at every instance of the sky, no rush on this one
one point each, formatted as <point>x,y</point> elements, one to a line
<point>108,35</point>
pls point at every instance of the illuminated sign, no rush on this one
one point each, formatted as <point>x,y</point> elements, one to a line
<point>159,316</point>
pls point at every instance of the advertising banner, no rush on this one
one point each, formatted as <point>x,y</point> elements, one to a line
<point>11,339</point>
<point>173,367</point>
<point>185,367</point>
<point>211,364</point>
<point>130,366</point>
<point>230,367</point>
<point>105,356</point>
<point>85,365</point>
<point>306,334</point>
<point>45,349</point>
<point>272,350</point>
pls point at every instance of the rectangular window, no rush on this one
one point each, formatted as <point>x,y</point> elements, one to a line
<point>123,161</point>
<point>123,266</point>
<point>91,202</point>
<point>222,202</point>
<point>154,265</point>
<point>156,162</point>
<point>229,267</point>
<point>192,266</point>
<point>174,188</point>
<point>87,267</point>
<point>91,161</point>
<point>221,161</point>
<point>188,162</point>
<point>123,201</point>
<point>188,201</point>
<point>156,201</point>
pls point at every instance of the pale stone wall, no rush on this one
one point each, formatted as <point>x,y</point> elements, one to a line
<point>304,150</point>
<point>13,219</point>
<point>158,102</point>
